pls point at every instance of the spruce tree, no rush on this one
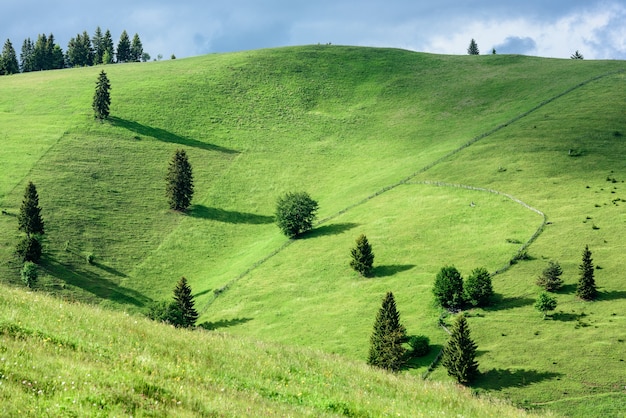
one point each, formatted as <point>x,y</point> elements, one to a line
<point>362,257</point>
<point>98,46</point>
<point>586,288</point>
<point>29,219</point>
<point>459,353</point>
<point>8,60</point>
<point>136,49</point>
<point>27,56</point>
<point>123,48</point>
<point>179,178</point>
<point>386,350</point>
<point>102,97</point>
<point>472,49</point>
<point>478,288</point>
<point>550,278</point>
<point>185,304</point>
<point>448,288</point>
<point>108,48</point>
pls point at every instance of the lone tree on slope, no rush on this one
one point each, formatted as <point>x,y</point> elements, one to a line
<point>295,213</point>
<point>185,304</point>
<point>448,288</point>
<point>102,97</point>
<point>545,303</point>
<point>362,257</point>
<point>179,178</point>
<point>586,288</point>
<point>472,49</point>
<point>29,218</point>
<point>550,278</point>
<point>478,288</point>
<point>386,350</point>
<point>459,353</point>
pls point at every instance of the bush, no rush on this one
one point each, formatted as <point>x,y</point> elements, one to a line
<point>29,274</point>
<point>29,249</point>
<point>545,303</point>
<point>295,213</point>
<point>448,288</point>
<point>550,278</point>
<point>167,312</point>
<point>419,345</point>
<point>478,288</point>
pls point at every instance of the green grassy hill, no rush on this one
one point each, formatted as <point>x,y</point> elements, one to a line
<point>379,138</point>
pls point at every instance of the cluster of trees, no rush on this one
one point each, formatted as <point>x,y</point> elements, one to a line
<point>453,293</point>
<point>82,50</point>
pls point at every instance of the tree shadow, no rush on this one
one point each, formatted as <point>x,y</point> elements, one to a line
<point>567,317</point>
<point>497,379</point>
<point>332,229</point>
<point>202,293</point>
<point>424,361</point>
<point>567,289</point>
<point>499,303</point>
<point>93,283</point>
<point>612,295</point>
<point>391,269</point>
<point>224,323</point>
<point>109,270</point>
<point>227,216</point>
<point>166,136</point>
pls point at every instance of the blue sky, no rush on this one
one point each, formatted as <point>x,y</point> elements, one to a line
<point>548,28</point>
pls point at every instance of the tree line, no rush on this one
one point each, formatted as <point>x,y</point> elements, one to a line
<point>82,50</point>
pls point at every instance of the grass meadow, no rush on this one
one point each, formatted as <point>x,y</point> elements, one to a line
<point>365,132</point>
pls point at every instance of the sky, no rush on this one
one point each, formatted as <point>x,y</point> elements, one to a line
<point>547,28</point>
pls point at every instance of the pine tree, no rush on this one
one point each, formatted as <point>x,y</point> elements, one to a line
<point>459,353</point>
<point>586,288</point>
<point>8,60</point>
<point>29,218</point>
<point>102,97</point>
<point>386,350</point>
<point>448,288</point>
<point>362,257</point>
<point>108,48</point>
<point>478,288</point>
<point>98,46</point>
<point>473,48</point>
<point>123,48</point>
<point>136,49</point>
<point>27,56</point>
<point>550,278</point>
<point>185,303</point>
<point>179,178</point>
<point>545,303</point>
<point>577,56</point>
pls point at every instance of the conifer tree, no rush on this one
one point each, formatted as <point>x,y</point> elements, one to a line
<point>550,278</point>
<point>472,49</point>
<point>362,257</point>
<point>448,288</point>
<point>123,48</point>
<point>136,49</point>
<point>29,218</point>
<point>108,48</point>
<point>27,56</point>
<point>29,274</point>
<point>98,46</point>
<point>8,59</point>
<point>185,304</point>
<point>102,97</point>
<point>586,288</point>
<point>386,350</point>
<point>179,178</point>
<point>459,353</point>
<point>29,248</point>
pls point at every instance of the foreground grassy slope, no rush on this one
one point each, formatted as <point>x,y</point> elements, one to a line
<point>56,361</point>
<point>343,124</point>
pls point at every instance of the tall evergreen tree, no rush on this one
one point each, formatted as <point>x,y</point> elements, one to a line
<point>27,56</point>
<point>386,350</point>
<point>550,278</point>
<point>79,51</point>
<point>459,353</point>
<point>102,97</point>
<point>362,257</point>
<point>123,48</point>
<point>108,54</point>
<point>472,49</point>
<point>97,41</point>
<point>29,218</point>
<point>40,54</point>
<point>136,49</point>
<point>586,288</point>
<point>185,303</point>
<point>8,60</point>
<point>448,288</point>
<point>179,178</point>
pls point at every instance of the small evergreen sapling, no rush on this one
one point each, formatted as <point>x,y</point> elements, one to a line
<point>102,97</point>
<point>362,257</point>
<point>179,188</point>
<point>459,353</point>
<point>550,278</point>
<point>586,288</point>
<point>29,274</point>
<point>386,350</point>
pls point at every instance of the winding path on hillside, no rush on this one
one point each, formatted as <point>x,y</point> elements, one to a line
<point>408,180</point>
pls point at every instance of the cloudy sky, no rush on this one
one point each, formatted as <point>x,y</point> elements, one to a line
<point>548,28</point>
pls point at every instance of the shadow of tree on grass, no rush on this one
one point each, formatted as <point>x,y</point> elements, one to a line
<point>166,136</point>
<point>612,295</point>
<point>332,229</point>
<point>390,269</point>
<point>424,361</point>
<point>499,302</point>
<point>227,216</point>
<point>497,379</point>
<point>224,323</point>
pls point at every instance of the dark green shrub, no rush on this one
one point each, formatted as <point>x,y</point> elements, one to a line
<point>29,249</point>
<point>164,311</point>
<point>478,288</point>
<point>29,274</point>
<point>419,345</point>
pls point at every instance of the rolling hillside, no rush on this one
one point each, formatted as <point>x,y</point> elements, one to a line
<point>393,144</point>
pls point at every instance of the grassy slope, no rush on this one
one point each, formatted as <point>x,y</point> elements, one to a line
<point>341,123</point>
